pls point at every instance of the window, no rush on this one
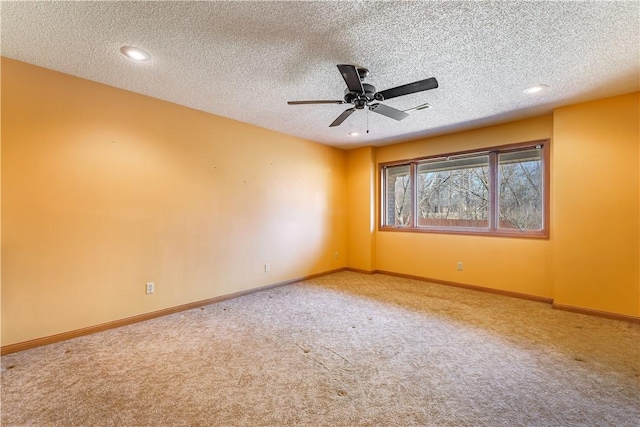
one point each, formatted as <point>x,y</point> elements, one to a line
<point>520,199</point>
<point>399,195</point>
<point>497,191</point>
<point>454,193</point>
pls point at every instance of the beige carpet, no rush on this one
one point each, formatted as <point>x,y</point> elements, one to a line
<point>341,350</point>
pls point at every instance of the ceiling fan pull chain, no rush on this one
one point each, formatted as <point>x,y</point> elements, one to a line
<point>367,120</point>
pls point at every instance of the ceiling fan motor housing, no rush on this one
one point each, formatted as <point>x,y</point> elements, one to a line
<point>360,100</point>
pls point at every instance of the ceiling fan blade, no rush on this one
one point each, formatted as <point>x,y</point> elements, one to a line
<point>342,117</point>
<point>419,86</point>
<point>388,111</point>
<point>419,107</point>
<point>351,78</point>
<point>315,102</point>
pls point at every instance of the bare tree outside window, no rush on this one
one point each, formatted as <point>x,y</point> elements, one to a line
<point>454,192</point>
<point>398,196</point>
<point>520,186</point>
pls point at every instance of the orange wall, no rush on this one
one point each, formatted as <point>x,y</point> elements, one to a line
<point>592,259</point>
<point>360,209</point>
<point>596,205</point>
<point>517,265</point>
<point>104,190</point>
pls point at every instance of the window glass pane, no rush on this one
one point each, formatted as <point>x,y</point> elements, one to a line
<point>454,193</point>
<point>520,202</point>
<point>398,196</point>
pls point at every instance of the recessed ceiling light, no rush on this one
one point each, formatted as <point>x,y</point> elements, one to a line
<point>535,89</point>
<point>354,133</point>
<point>135,53</point>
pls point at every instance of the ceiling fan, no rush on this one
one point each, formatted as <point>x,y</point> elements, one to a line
<point>363,94</point>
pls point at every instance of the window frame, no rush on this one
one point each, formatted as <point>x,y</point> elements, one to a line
<point>493,220</point>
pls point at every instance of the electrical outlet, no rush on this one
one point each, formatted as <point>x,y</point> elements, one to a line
<point>459,265</point>
<point>151,287</point>
<point>267,267</point>
<point>336,255</point>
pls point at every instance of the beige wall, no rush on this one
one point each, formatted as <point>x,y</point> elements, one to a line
<point>510,264</point>
<point>104,190</point>
<point>596,205</point>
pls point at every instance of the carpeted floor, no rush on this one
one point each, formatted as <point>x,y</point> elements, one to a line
<point>341,350</point>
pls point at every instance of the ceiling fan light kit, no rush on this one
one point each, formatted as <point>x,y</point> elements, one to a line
<point>362,95</point>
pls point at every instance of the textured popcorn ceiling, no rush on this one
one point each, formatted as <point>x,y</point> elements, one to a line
<point>245,60</point>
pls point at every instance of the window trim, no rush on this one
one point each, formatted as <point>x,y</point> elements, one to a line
<point>493,229</point>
